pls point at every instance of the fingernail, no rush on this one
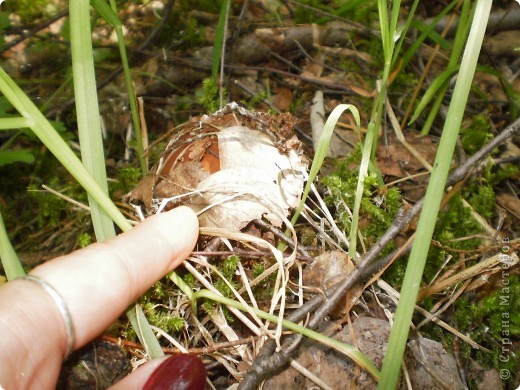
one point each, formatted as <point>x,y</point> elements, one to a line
<point>179,372</point>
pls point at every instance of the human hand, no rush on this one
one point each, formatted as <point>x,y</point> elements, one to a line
<point>96,284</point>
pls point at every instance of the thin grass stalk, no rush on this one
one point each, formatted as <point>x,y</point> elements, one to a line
<point>402,35</point>
<point>458,45</point>
<point>363,171</point>
<point>433,197</point>
<point>13,123</point>
<point>322,151</point>
<point>130,90</point>
<point>388,39</point>
<point>425,32</point>
<point>12,266</point>
<point>87,111</point>
<point>219,50</point>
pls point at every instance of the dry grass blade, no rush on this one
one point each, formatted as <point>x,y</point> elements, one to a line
<point>278,297</point>
<point>482,269</point>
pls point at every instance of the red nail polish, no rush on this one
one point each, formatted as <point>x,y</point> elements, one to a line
<point>179,372</point>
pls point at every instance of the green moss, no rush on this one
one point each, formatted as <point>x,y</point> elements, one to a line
<point>51,208</point>
<point>478,134</point>
<point>157,310</point>
<point>189,279</point>
<point>378,205</point>
<point>483,201</point>
<point>168,322</point>
<point>84,240</point>
<point>208,95</point>
<point>258,269</point>
<point>494,323</point>
<point>503,172</point>
<point>491,321</point>
<point>127,179</point>
<point>228,269</point>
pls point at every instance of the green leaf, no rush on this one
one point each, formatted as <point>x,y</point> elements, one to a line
<point>12,156</point>
<point>106,12</point>
<point>433,90</point>
<point>87,111</point>
<point>12,266</point>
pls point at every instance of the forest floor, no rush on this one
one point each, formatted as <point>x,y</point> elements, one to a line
<point>288,57</point>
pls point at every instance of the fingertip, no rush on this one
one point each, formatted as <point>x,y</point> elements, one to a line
<point>182,225</point>
<point>185,214</point>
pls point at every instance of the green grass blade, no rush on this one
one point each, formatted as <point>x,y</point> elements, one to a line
<point>113,19</point>
<point>322,150</point>
<point>107,13</point>
<point>91,142</point>
<point>87,111</point>
<point>434,193</point>
<point>514,103</point>
<point>12,266</point>
<point>458,46</point>
<point>144,332</point>
<point>12,156</point>
<point>434,90</point>
<point>220,35</point>
<point>363,171</point>
<point>403,32</point>
<point>426,31</point>
<point>14,123</point>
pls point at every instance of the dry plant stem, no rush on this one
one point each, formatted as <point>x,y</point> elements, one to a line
<point>246,254</point>
<point>214,347</point>
<point>268,361</point>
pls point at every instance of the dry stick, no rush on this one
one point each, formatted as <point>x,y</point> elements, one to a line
<point>268,361</point>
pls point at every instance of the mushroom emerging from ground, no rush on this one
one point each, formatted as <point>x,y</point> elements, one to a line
<point>231,167</point>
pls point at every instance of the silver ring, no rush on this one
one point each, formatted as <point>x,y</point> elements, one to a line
<point>62,307</point>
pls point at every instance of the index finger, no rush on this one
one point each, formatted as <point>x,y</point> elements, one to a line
<point>99,282</point>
